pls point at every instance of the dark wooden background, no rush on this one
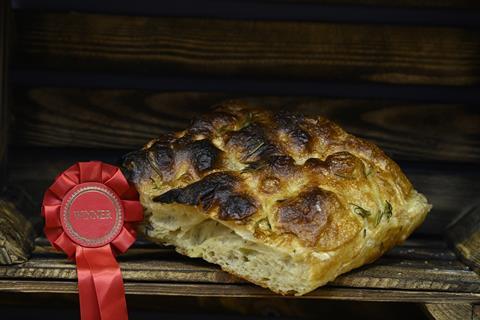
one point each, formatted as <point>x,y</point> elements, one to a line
<point>93,80</point>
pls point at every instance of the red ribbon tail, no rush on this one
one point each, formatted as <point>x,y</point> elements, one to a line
<point>86,289</point>
<point>100,285</point>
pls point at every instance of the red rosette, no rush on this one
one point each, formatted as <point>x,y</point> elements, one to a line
<point>89,214</point>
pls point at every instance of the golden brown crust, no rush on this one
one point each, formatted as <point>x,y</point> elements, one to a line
<point>299,185</point>
<point>233,161</point>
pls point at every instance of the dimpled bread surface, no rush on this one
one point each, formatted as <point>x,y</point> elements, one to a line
<point>286,201</point>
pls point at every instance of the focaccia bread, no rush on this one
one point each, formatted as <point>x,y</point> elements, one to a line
<point>285,201</point>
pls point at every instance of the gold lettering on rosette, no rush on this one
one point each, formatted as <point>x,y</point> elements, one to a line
<point>93,214</point>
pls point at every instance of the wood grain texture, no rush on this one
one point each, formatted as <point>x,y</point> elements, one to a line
<point>392,3</point>
<point>290,50</point>
<point>246,291</point>
<point>129,118</point>
<point>450,311</point>
<point>464,234</point>
<point>406,270</point>
<point>16,235</point>
<point>4,113</point>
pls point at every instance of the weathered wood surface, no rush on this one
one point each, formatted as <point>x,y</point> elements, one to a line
<point>410,267</point>
<point>129,118</point>
<point>464,233</point>
<point>16,235</point>
<point>290,50</point>
<point>246,291</point>
<point>201,7</point>
<point>451,311</point>
<point>4,114</point>
<point>393,3</point>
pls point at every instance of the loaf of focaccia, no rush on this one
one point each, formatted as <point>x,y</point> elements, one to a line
<point>285,201</point>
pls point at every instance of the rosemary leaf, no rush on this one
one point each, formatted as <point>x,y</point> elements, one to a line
<point>360,211</point>
<point>261,144</point>
<point>387,211</point>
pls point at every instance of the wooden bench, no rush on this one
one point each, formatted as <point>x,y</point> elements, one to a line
<point>84,86</point>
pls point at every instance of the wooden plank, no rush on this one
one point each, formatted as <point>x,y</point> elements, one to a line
<point>406,12</point>
<point>394,3</point>
<point>246,291</point>
<point>16,235</point>
<point>464,234</point>
<point>203,7</point>
<point>129,118</point>
<point>293,50</point>
<point>426,253</point>
<point>35,168</point>
<point>4,113</point>
<point>450,311</point>
<point>160,265</point>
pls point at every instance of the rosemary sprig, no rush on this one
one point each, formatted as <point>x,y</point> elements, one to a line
<point>360,211</point>
<point>248,120</point>
<point>261,144</point>
<point>387,212</point>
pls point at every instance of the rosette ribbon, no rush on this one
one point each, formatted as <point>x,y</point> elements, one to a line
<point>89,214</point>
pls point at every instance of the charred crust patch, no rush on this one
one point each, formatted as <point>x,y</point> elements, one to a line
<point>217,189</point>
<point>135,166</point>
<point>161,157</point>
<point>203,155</point>
<point>208,124</point>
<point>251,142</point>
<point>290,124</point>
<point>202,192</point>
<point>316,167</point>
<point>306,214</point>
<point>344,165</point>
<point>237,207</point>
<point>277,165</point>
<point>281,164</point>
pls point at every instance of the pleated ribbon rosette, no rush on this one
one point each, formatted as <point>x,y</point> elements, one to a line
<point>89,214</point>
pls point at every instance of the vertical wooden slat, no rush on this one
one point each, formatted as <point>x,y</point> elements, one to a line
<point>464,235</point>
<point>4,10</point>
